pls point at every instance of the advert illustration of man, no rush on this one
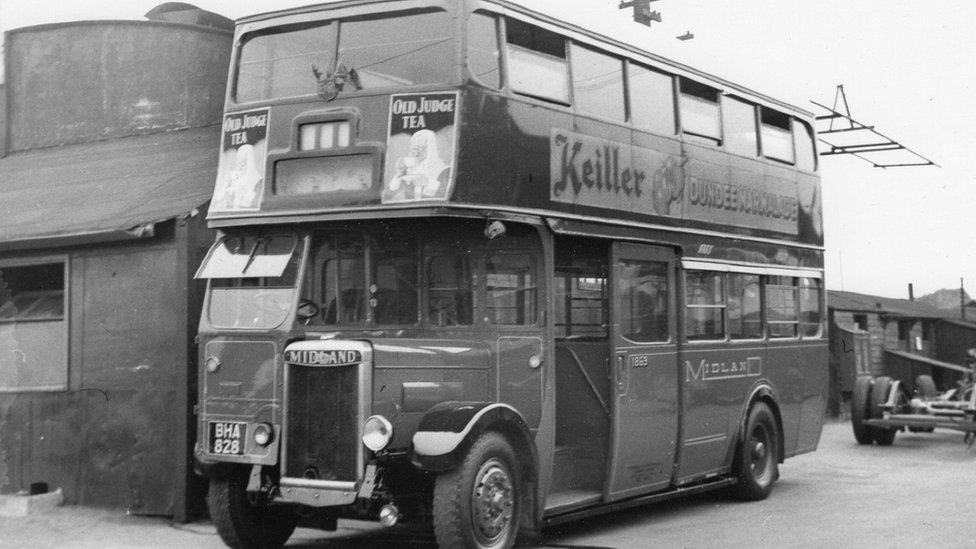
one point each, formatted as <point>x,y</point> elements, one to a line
<point>421,174</point>
<point>242,185</point>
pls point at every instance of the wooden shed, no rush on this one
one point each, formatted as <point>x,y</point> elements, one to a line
<point>108,160</point>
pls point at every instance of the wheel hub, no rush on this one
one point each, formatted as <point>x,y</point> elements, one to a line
<point>759,456</point>
<point>492,501</point>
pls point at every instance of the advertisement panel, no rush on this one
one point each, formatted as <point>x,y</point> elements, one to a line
<point>240,173</point>
<point>591,171</point>
<point>420,147</point>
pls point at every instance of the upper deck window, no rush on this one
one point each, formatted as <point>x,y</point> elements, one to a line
<point>399,50</point>
<point>279,63</point>
<point>739,120</point>
<point>651,99</point>
<point>598,83</point>
<point>378,51</point>
<point>777,135</point>
<point>483,52</point>
<point>699,111</point>
<point>537,62</point>
<point>806,152</point>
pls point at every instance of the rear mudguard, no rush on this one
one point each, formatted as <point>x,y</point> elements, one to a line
<point>448,429</point>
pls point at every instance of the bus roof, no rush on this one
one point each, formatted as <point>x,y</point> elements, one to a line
<point>511,8</point>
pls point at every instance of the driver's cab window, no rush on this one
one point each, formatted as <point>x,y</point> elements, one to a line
<point>449,289</point>
<point>338,277</point>
<point>394,284</point>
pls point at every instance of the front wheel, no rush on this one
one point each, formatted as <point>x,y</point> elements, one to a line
<point>758,458</point>
<point>243,520</point>
<point>477,505</point>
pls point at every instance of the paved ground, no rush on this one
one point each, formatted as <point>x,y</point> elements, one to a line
<point>919,492</point>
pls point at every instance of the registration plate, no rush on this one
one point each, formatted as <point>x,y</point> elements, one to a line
<point>227,437</point>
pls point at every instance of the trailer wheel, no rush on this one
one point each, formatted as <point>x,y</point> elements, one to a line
<point>243,520</point>
<point>477,505</point>
<point>925,387</point>
<point>883,436</point>
<point>861,410</point>
<point>758,457</point>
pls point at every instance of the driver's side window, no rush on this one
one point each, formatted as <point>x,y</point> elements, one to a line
<point>449,289</point>
<point>338,279</point>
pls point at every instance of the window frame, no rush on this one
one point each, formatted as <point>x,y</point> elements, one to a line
<point>574,47</point>
<point>698,137</point>
<point>507,63</point>
<point>756,144</point>
<point>500,43</point>
<point>723,307</point>
<point>669,298</point>
<point>822,309</point>
<point>536,289</point>
<point>334,19</point>
<point>810,137</point>
<point>796,308</point>
<point>762,307</point>
<point>762,110</point>
<point>65,261</point>
<point>630,95</point>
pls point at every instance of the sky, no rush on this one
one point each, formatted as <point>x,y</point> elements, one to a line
<point>906,67</point>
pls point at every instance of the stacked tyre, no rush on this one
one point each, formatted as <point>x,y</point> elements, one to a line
<point>867,402</point>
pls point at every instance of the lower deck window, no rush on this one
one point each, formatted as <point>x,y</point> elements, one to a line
<point>644,301</point>
<point>781,306</point>
<point>705,312</point>
<point>33,327</point>
<point>511,291</point>
<point>449,293</point>
<point>811,312</point>
<point>744,307</point>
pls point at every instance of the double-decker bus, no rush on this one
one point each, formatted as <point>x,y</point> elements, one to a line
<point>480,268</point>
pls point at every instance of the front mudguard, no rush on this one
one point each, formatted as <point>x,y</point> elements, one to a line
<point>448,429</point>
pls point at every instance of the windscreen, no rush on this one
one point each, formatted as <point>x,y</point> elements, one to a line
<point>382,51</point>
<point>252,280</point>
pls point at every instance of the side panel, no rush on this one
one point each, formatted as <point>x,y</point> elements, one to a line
<point>716,378</point>
<point>806,378</point>
<point>520,367</point>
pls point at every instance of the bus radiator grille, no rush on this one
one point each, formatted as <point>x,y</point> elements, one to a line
<point>322,415</point>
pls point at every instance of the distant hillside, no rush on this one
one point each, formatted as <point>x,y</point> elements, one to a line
<point>946,298</point>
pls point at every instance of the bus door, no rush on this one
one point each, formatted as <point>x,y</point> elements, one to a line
<point>644,365</point>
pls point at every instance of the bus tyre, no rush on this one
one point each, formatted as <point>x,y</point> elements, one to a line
<point>758,456</point>
<point>246,521</point>
<point>477,505</point>
<point>925,387</point>
<point>861,410</point>
<point>883,436</point>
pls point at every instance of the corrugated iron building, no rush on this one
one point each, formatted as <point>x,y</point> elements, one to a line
<point>108,160</point>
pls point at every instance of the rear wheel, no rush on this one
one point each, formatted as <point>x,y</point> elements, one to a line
<point>861,410</point>
<point>883,436</point>
<point>757,461</point>
<point>246,520</point>
<point>477,505</point>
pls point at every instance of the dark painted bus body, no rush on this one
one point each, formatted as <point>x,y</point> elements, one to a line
<point>484,269</point>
